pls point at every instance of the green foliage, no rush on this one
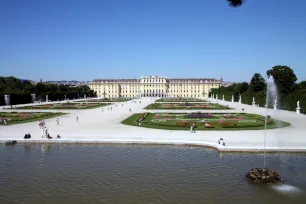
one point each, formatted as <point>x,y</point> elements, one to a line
<point>235,3</point>
<point>257,83</point>
<point>289,91</point>
<point>20,91</point>
<point>235,90</point>
<point>284,77</point>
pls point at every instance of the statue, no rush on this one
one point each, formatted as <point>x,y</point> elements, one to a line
<point>298,109</point>
<point>232,98</point>
<point>240,99</point>
<point>253,102</point>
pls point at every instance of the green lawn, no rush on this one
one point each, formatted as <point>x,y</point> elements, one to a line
<point>180,100</point>
<point>25,117</point>
<point>187,106</point>
<point>66,106</point>
<point>203,121</point>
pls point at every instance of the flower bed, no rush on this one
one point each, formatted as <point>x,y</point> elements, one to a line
<point>142,117</point>
<point>217,121</point>
<point>200,115</point>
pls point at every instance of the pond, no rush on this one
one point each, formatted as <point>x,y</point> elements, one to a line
<point>51,173</point>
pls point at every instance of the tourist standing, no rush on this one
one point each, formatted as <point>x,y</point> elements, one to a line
<point>77,118</point>
<point>46,131</point>
<point>57,121</point>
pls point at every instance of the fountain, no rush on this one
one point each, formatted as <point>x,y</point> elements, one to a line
<point>240,99</point>
<point>223,97</point>
<point>217,96</point>
<point>84,96</point>
<point>275,104</point>
<point>253,102</point>
<point>47,99</point>
<point>298,109</point>
<point>33,97</point>
<point>7,100</point>
<point>232,98</point>
<point>265,175</point>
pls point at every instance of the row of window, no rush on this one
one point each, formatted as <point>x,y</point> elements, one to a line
<point>157,85</point>
<point>154,80</point>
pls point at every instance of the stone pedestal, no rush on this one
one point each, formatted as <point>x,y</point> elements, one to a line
<point>264,176</point>
<point>298,110</point>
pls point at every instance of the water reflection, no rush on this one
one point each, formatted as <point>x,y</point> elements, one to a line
<point>143,174</point>
<point>45,148</point>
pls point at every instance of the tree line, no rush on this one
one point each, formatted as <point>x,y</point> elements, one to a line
<point>288,90</point>
<point>20,91</point>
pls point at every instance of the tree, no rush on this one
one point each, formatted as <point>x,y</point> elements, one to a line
<point>284,77</point>
<point>258,83</point>
<point>235,3</point>
<point>240,88</point>
<point>301,85</point>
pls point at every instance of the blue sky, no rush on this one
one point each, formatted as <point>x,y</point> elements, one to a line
<point>85,40</point>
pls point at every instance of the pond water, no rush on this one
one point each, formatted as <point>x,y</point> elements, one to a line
<point>149,174</point>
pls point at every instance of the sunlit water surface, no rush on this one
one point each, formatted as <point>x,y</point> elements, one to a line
<point>143,174</point>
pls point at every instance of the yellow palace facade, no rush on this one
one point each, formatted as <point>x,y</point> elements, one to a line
<point>154,86</point>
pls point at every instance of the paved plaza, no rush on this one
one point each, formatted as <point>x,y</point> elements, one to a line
<point>97,126</point>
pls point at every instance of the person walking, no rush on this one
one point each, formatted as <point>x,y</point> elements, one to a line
<point>77,118</point>
<point>57,121</point>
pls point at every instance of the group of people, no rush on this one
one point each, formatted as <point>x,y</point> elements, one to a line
<point>110,108</point>
<point>221,142</point>
<point>44,130</point>
<point>27,136</point>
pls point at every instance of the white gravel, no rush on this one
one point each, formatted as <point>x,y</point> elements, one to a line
<point>95,126</point>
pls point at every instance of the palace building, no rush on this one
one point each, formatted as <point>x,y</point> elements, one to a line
<point>154,86</point>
